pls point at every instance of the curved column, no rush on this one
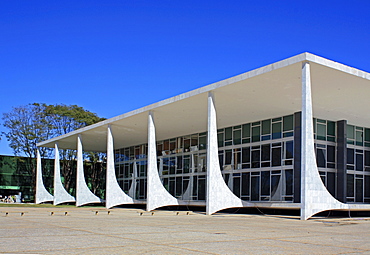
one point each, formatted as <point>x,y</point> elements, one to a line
<point>60,193</point>
<point>157,195</point>
<point>315,197</point>
<point>114,194</point>
<point>42,195</point>
<point>83,193</point>
<point>219,196</point>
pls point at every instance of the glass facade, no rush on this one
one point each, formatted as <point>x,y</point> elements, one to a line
<point>256,161</point>
<point>358,164</point>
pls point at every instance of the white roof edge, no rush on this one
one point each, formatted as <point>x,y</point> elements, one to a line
<point>277,65</point>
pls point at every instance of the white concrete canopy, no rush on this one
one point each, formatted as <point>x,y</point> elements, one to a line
<point>335,96</point>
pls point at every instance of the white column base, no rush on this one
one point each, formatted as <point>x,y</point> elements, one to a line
<point>219,196</point>
<point>42,195</point>
<point>83,193</point>
<point>60,194</point>
<point>114,194</point>
<point>157,195</point>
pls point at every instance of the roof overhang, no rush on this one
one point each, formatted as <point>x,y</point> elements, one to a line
<point>338,92</point>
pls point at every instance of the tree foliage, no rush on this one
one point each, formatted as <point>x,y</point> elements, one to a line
<point>30,124</point>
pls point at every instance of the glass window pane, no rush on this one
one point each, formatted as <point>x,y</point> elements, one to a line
<point>246,158</point>
<point>245,184</point>
<point>228,157</point>
<point>276,156</point>
<point>255,158</point>
<point>237,137</point>
<point>330,153</point>
<point>359,139</point>
<point>266,127</point>
<point>246,130</point>
<point>359,162</point>
<point>265,152</point>
<point>331,128</point>
<point>288,123</point>
<point>276,130</point>
<point>236,186</point>
<point>350,156</point>
<point>350,185</point>
<point>265,183</point>
<point>228,134</point>
<point>321,132</point>
<point>220,139</point>
<point>320,157</point>
<point>288,182</point>
<point>289,150</point>
<point>367,134</point>
<point>350,132</point>
<point>256,134</point>
<point>359,190</point>
<point>255,188</point>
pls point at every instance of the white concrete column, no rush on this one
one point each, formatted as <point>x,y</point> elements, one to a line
<point>157,195</point>
<point>219,196</point>
<point>114,193</point>
<point>83,193</point>
<point>42,195</point>
<point>315,197</point>
<point>60,193</point>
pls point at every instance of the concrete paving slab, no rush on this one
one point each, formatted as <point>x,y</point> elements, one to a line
<point>124,231</point>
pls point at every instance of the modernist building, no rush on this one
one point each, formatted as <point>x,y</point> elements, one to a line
<point>293,134</point>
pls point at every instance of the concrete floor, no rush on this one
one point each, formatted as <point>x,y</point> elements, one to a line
<point>125,231</point>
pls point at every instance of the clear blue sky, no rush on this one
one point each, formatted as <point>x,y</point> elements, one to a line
<point>111,57</point>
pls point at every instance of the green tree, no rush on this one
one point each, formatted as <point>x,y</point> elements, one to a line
<point>33,123</point>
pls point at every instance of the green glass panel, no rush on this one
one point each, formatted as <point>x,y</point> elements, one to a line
<point>246,129</point>
<point>256,123</point>
<point>220,139</point>
<point>288,123</point>
<point>202,142</point>
<point>321,132</point>
<point>314,126</point>
<point>359,140</point>
<point>331,128</point>
<point>228,134</point>
<point>367,134</point>
<point>237,127</point>
<point>237,137</point>
<point>256,133</point>
<point>266,127</point>
<point>276,130</point>
<point>350,132</point>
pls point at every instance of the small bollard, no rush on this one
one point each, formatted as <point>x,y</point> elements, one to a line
<point>6,213</point>
<point>108,212</point>
<point>152,213</point>
<point>187,213</point>
<point>97,212</point>
<point>177,213</point>
<point>22,213</point>
<point>65,213</point>
<point>51,213</point>
<point>141,213</point>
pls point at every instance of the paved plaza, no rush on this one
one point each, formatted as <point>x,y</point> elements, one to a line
<point>132,231</point>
